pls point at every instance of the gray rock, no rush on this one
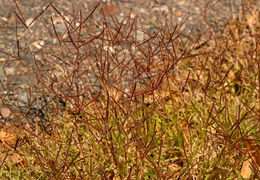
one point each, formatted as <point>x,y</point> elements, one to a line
<point>140,35</point>
<point>23,98</point>
<point>1,74</point>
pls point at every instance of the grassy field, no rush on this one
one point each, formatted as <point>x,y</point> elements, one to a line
<point>160,107</point>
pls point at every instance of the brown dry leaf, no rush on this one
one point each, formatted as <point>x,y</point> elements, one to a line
<point>109,9</point>
<point>2,60</point>
<point>13,159</point>
<point>246,171</point>
<point>9,135</point>
<point>5,112</point>
<point>254,151</point>
<point>5,137</point>
<point>178,13</point>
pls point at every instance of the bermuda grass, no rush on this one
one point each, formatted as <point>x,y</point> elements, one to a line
<point>121,107</point>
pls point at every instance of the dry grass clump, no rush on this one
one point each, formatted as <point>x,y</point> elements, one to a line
<point>117,106</point>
